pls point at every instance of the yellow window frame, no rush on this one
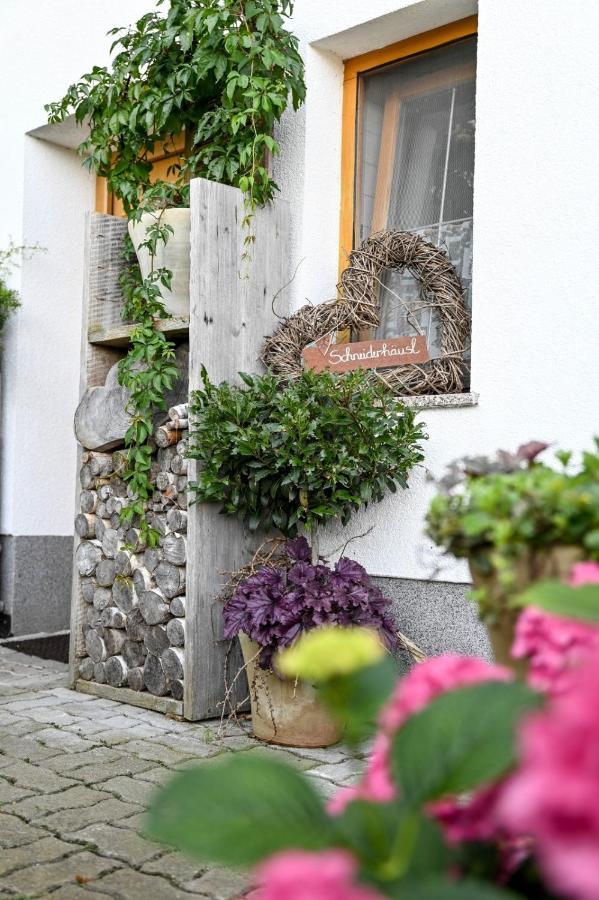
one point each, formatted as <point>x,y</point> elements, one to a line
<point>353,68</point>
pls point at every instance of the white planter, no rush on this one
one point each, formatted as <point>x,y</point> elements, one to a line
<point>173,255</point>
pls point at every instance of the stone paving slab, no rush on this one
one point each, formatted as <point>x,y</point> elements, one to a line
<point>76,775</point>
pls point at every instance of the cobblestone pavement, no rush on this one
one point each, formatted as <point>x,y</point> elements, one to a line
<point>76,774</point>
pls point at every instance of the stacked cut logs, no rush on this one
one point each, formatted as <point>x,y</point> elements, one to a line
<point>133,596</point>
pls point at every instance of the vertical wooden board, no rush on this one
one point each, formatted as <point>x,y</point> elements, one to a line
<point>106,237</point>
<point>101,302</point>
<point>231,313</point>
<point>76,636</point>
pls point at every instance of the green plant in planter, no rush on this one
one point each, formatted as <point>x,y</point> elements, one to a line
<point>219,74</point>
<point>284,455</point>
<point>499,514</point>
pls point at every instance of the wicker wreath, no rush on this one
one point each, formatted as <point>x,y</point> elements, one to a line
<point>358,308</point>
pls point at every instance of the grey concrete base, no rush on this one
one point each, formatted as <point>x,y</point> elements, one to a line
<point>437,616</point>
<point>35,582</point>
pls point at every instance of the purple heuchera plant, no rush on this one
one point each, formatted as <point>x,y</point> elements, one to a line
<point>274,606</point>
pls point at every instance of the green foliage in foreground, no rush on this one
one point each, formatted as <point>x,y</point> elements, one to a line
<point>239,810</point>
<point>280,455</point>
<point>560,599</point>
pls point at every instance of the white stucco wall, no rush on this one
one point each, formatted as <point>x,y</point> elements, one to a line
<point>44,47</point>
<point>536,217</point>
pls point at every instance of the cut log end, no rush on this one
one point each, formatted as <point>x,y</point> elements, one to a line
<point>116,670</point>
<point>154,677</point>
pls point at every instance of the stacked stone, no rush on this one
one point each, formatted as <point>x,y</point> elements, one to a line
<point>134,596</point>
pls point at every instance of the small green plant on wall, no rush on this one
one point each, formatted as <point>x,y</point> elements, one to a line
<point>9,297</point>
<point>299,454</point>
<point>220,73</point>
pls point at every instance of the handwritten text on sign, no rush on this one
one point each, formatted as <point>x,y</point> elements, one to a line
<point>365,354</point>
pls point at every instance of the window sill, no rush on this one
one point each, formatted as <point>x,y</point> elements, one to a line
<point>441,401</point>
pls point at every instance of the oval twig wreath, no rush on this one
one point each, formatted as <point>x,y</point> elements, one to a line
<point>358,308</point>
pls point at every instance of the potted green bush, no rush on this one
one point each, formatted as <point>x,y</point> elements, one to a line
<point>298,454</point>
<point>292,456</point>
<point>516,520</point>
<point>218,75</point>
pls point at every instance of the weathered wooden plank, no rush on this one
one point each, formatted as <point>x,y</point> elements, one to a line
<point>76,640</point>
<point>106,264</point>
<point>118,335</point>
<point>229,318</point>
<point>133,698</point>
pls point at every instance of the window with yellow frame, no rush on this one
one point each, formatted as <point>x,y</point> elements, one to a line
<point>408,157</point>
<point>162,160</point>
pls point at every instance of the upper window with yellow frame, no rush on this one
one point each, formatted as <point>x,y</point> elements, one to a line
<point>409,154</point>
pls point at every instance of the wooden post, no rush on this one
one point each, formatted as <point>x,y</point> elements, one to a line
<point>231,313</point>
<point>101,267</point>
<point>144,629</point>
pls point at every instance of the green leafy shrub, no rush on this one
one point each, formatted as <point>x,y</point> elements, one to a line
<point>221,71</point>
<point>280,455</point>
<point>495,519</point>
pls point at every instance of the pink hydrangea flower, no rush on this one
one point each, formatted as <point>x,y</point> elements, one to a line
<point>555,646</point>
<point>376,784</point>
<point>426,681</point>
<point>433,677</point>
<point>584,573</point>
<point>299,875</point>
<point>471,818</point>
<point>554,796</point>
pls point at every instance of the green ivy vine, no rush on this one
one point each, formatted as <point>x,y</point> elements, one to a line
<point>221,73</point>
<point>148,371</point>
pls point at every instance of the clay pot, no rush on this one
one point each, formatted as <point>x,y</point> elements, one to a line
<point>553,563</point>
<point>173,255</point>
<point>285,712</point>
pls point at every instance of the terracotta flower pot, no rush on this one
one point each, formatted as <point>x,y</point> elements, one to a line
<point>173,255</point>
<point>284,712</point>
<point>553,563</point>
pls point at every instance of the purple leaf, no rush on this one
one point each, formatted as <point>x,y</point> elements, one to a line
<point>274,606</point>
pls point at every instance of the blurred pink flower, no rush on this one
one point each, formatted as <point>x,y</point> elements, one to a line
<point>433,677</point>
<point>584,573</point>
<point>424,682</point>
<point>555,646</point>
<point>554,796</point>
<point>376,784</point>
<point>299,875</point>
<point>470,818</point>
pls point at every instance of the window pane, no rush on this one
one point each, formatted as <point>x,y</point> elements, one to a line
<point>415,170</point>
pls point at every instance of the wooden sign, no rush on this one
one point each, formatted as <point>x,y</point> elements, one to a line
<point>325,354</point>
